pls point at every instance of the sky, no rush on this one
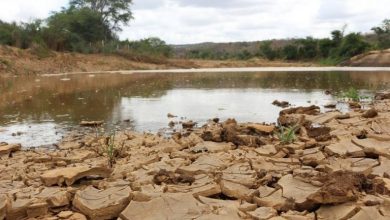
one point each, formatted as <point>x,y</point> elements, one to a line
<point>195,21</point>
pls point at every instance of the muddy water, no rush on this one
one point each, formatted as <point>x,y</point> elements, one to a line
<point>38,111</point>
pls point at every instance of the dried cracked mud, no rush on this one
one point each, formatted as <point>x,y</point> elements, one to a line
<point>337,168</point>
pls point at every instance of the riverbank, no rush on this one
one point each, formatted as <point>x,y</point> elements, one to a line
<point>14,61</point>
<point>336,166</point>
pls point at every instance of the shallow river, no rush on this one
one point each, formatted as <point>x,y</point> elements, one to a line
<point>39,110</point>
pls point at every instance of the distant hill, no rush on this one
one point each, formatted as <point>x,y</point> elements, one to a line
<point>371,59</point>
<point>180,51</point>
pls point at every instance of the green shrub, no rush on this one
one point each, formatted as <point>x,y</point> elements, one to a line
<point>287,135</point>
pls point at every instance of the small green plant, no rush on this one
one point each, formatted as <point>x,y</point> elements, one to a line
<point>352,94</point>
<point>287,135</point>
<point>110,149</point>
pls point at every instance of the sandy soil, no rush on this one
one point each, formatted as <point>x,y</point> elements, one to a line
<point>372,58</point>
<point>17,61</point>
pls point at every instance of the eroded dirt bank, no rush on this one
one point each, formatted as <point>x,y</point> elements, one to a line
<point>337,168</point>
<point>14,61</point>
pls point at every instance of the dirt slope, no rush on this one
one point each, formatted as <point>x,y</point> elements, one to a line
<point>373,58</point>
<point>17,61</point>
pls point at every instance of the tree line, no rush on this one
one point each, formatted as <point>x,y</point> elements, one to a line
<point>92,26</point>
<point>85,26</point>
<point>338,48</point>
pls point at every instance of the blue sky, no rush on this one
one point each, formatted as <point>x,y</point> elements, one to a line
<point>193,21</point>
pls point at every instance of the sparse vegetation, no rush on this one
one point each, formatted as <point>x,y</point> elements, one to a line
<point>85,26</point>
<point>110,149</point>
<point>351,94</point>
<point>287,135</point>
<point>327,51</point>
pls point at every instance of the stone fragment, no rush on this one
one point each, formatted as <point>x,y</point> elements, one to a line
<point>369,213</point>
<point>311,110</point>
<point>339,187</point>
<point>212,147</point>
<point>54,196</point>
<point>102,204</point>
<point>266,150</point>
<point>221,209</point>
<point>65,214</point>
<point>91,123</point>
<point>78,216</point>
<point>282,104</point>
<point>168,206</point>
<point>371,113</point>
<point>345,148</point>
<point>312,157</point>
<point>37,210</point>
<point>324,118</point>
<point>17,209</point>
<point>295,215</point>
<point>247,207</point>
<point>189,124</point>
<point>237,191</point>
<point>7,149</point>
<point>354,165</point>
<point>260,128</point>
<point>383,170</point>
<point>337,212</point>
<point>146,193</point>
<point>3,206</point>
<point>373,146</point>
<point>70,175</point>
<point>241,173</point>
<point>203,165</point>
<point>263,213</point>
<point>202,186</point>
<point>298,191</point>
<point>274,200</point>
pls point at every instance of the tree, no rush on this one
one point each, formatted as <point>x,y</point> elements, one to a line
<point>337,36</point>
<point>74,28</point>
<point>266,50</point>
<point>383,34</point>
<point>352,45</point>
<point>115,12</point>
<point>290,52</point>
<point>307,48</point>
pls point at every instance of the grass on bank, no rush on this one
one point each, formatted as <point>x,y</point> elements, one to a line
<point>287,135</point>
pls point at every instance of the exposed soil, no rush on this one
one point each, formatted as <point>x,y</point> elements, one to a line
<point>371,59</point>
<point>17,61</point>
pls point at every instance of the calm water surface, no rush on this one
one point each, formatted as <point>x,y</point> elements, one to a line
<point>37,111</point>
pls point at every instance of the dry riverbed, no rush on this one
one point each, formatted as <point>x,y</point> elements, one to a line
<point>337,168</point>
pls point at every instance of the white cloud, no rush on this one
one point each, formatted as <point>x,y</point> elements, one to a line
<point>191,21</point>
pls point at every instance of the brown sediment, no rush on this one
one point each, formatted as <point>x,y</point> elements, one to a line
<point>337,168</point>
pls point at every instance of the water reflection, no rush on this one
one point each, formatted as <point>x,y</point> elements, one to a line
<point>145,99</point>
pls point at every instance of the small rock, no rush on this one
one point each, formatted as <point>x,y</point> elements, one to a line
<point>91,123</point>
<point>282,104</point>
<point>260,128</point>
<point>169,115</point>
<point>7,149</point>
<point>3,206</point>
<point>37,209</point>
<point>343,211</point>
<point>263,213</point>
<point>372,113</point>
<point>102,204</point>
<point>237,191</point>
<point>65,214</point>
<point>330,105</point>
<point>188,124</point>
<point>167,206</point>
<point>70,175</point>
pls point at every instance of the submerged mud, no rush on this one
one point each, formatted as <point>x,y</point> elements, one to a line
<point>335,166</point>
